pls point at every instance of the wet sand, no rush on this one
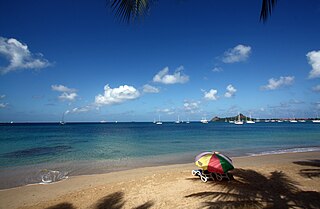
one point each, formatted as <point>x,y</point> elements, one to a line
<point>275,181</point>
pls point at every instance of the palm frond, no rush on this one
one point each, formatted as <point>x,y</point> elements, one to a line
<point>129,10</point>
<point>266,9</point>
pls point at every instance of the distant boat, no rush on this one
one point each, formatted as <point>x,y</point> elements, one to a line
<point>250,121</point>
<point>62,120</point>
<point>302,121</point>
<point>293,121</point>
<point>239,121</point>
<point>188,121</point>
<point>103,121</point>
<point>204,120</point>
<point>159,122</point>
<point>178,121</point>
<point>317,120</point>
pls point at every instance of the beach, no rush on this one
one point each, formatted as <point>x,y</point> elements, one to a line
<point>280,180</point>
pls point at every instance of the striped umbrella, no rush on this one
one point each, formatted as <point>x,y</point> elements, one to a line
<point>214,162</point>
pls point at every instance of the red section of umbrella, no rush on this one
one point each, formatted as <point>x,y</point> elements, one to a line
<point>215,165</point>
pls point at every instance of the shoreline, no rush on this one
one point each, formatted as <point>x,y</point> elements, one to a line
<point>94,187</point>
<point>17,174</point>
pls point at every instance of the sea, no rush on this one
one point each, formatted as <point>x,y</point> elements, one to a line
<point>42,153</point>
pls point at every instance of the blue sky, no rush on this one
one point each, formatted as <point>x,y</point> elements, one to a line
<point>185,58</point>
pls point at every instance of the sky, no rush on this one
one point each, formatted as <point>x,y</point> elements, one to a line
<point>184,58</point>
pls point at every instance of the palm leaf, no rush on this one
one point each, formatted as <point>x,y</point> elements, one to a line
<point>266,9</point>
<point>129,10</point>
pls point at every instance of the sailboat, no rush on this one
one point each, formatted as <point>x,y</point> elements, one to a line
<point>250,120</point>
<point>204,120</point>
<point>239,121</point>
<point>62,120</point>
<point>178,121</point>
<point>159,122</point>
<point>317,120</point>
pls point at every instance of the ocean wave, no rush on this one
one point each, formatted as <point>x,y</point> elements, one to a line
<point>289,150</point>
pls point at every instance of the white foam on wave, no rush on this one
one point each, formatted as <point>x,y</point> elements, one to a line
<point>290,150</point>
<point>50,176</point>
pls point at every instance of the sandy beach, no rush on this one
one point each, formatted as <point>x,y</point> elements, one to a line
<point>270,181</point>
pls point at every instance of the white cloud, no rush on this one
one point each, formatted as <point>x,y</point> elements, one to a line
<point>2,96</point>
<point>237,54</point>
<point>166,111</point>
<point>62,88</point>
<point>150,89</point>
<point>230,91</point>
<point>81,109</point>
<point>163,77</point>
<point>211,95</point>
<point>316,88</point>
<point>275,84</point>
<point>116,95</point>
<point>3,105</point>
<point>217,69</point>
<point>191,107</point>
<point>314,61</point>
<point>68,96</point>
<point>19,56</point>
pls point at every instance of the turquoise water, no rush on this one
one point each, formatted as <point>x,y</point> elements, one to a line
<point>85,148</point>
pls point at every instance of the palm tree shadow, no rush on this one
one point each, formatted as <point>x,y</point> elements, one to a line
<point>116,201</point>
<point>251,189</point>
<point>112,201</point>
<point>64,205</point>
<point>312,171</point>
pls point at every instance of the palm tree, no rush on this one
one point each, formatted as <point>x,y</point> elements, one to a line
<point>130,10</point>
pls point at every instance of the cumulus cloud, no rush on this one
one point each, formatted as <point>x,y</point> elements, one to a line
<point>314,61</point>
<point>150,89</point>
<point>2,96</point>
<point>177,77</point>
<point>275,84</point>
<point>237,54</point>
<point>3,105</point>
<point>65,96</point>
<point>230,91</point>
<point>217,69</point>
<point>191,107</point>
<point>68,94</point>
<point>19,56</point>
<point>316,88</point>
<point>62,88</point>
<point>116,95</point>
<point>166,111</point>
<point>211,95</point>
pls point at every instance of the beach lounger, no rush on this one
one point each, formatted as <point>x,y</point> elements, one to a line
<point>206,175</point>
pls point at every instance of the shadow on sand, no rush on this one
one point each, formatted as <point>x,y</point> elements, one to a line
<point>251,189</point>
<point>116,201</point>
<point>64,205</point>
<point>111,201</point>
<point>313,170</point>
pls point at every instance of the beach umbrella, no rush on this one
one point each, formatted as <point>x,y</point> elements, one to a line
<point>214,162</point>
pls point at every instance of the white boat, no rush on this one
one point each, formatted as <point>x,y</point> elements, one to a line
<point>293,121</point>
<point>239,121</point>
<point>204,120</point>
<point>250,121</point>
<point>62,120</point>
<point>159,122</point>
<point>177,121</point>
<point>316,121</point>
<point>302,121</point>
